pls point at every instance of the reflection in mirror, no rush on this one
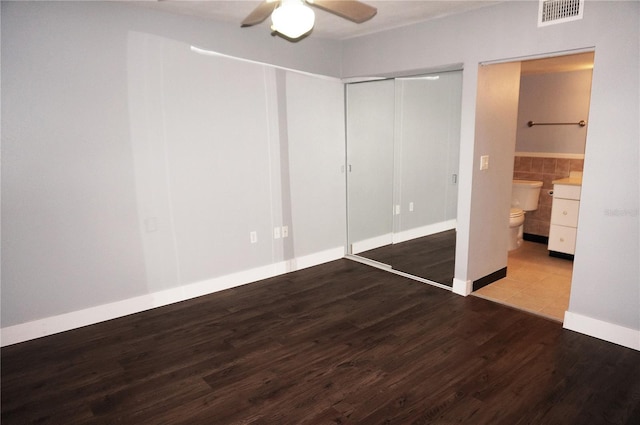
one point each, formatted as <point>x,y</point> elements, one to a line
<point>402,151</point>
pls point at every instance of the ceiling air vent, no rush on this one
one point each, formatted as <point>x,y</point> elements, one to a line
<point>559,11</point>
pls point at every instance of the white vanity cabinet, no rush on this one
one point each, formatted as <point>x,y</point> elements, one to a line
<point>564,216</point>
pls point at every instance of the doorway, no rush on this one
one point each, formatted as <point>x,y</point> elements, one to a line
<point>554,92</point>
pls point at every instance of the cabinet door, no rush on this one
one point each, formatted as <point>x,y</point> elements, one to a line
<point>565,191</point>
<point>565,212</point>
<point>562,239</point>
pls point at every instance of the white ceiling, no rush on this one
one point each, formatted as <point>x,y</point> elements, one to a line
<point>564,63</point>
<point>391,14</point>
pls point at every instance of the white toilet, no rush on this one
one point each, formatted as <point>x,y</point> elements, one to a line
<point>524,197</point>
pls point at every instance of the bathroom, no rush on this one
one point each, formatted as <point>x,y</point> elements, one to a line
<point>550,145</point>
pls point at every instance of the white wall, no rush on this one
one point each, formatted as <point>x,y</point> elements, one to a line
<point>134,170</point>
<point>606,271</point>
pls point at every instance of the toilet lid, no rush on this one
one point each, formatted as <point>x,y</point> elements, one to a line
<point>516,212</point>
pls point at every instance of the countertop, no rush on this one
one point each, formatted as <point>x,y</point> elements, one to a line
<point>572,181</point>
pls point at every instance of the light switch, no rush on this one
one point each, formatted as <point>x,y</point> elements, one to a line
<point>484,162</point>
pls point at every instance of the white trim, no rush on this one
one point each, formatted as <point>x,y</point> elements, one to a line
<point>371,243</point>
<point>388,268</point>
<point>551,155</point>
<point>368,262</point>
<point>314,259</point>
<point>539,56</point>
<point>427,230</point>
<point>206,52</point>
<point>600,329</point>
<point>462,287</point>
<point>76,319</point>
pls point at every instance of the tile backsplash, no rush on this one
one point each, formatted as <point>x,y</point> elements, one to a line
<point>546,170</point>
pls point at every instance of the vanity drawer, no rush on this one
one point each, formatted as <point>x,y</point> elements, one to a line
<point>566,191</point>
<point>565,212</point>
<point>562,239</point>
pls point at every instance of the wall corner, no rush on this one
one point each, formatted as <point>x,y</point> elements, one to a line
<point>462,287</point>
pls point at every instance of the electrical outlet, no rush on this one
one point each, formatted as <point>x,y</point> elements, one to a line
<point>285,231</point>
<point>276,233</point>
<point>253,237</point>
<point>410,206</point>
<point>397,209</point>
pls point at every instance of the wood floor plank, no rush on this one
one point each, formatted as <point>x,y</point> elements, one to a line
<point>341,343</point>
<point>430,257</point>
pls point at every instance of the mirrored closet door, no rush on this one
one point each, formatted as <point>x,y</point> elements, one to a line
<point>402,156</point>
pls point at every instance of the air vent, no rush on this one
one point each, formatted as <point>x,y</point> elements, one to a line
<point>559,11</point>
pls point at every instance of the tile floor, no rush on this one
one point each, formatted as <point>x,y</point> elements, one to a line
<point>535,282</point>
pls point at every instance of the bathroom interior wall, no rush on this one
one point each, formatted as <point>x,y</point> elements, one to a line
<point>498,87</point>
<point>558,150</point>
<point>550,98</point>
<point>132,165</point>
<point>546,169</point>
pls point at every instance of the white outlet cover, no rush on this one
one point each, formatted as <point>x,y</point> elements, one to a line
<point>484,162</point>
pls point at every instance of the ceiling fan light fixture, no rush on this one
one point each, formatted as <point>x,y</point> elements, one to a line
<point>292,19</point>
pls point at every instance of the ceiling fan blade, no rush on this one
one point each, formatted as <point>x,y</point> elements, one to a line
<point>355,11</point>
<point>260,13</point>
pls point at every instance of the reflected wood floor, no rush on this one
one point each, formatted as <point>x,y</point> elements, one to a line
<point>340,343</point>
<point>430,257</point>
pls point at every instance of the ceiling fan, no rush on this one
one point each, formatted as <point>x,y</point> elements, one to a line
<point>293,19</point>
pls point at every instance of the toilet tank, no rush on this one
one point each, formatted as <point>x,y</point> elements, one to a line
<point>525,194</point>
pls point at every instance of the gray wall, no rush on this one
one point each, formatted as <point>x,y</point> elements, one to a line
<point>131,164</point>
<point>606,269</point>
<point>554,97</point>
<point>71,229</point>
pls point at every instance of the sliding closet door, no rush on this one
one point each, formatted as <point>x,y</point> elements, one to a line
<point>427,153</point>
<point>370,128</point>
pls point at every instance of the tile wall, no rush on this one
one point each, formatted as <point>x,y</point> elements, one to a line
<point>545,169</point>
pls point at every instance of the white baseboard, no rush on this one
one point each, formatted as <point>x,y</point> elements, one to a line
<point>606,331</point>
<point>422,231</point>
<point>462,287</point>
<point>76,319</point>
<point>371,243</point>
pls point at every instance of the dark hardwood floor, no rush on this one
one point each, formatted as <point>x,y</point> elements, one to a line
<point>340,343</point>
<point>430,257</point>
